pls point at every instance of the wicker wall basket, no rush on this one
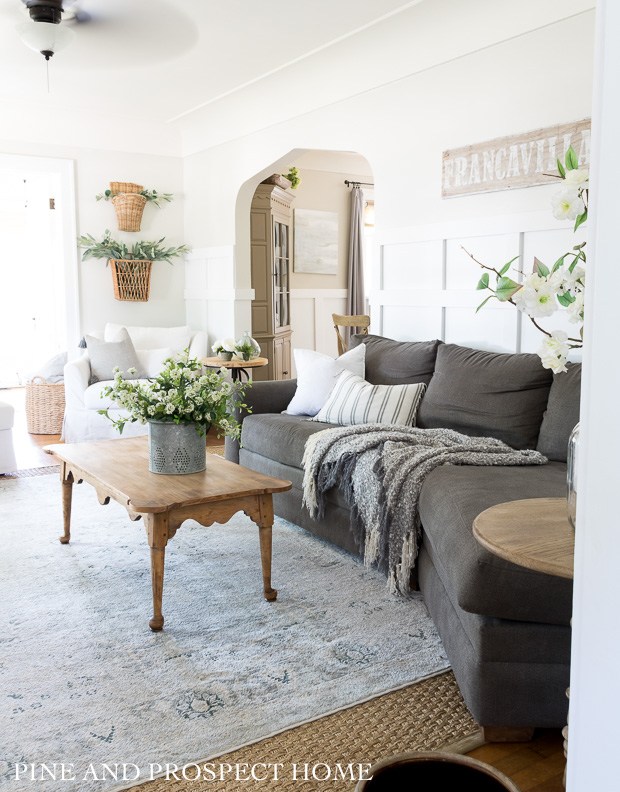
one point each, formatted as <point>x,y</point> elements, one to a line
<point>45,406</point>
<point>131,279</point>
<point>125,187</point>
<point>129,208</point>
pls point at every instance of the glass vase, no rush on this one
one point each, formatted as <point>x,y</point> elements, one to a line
<point>571,476</point>
<point>247,348</point>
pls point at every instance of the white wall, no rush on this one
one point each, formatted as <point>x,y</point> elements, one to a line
<point>519,83</point>
<point>94,169</point>
<point>595,693</point>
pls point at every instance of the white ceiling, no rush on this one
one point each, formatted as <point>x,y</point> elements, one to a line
<point>157,60</point>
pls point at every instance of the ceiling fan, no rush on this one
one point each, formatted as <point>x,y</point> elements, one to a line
<point>47,35</point>
<point>101,29</point>
<point>54,11</point>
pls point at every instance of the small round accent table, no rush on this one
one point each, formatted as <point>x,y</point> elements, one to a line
<point>534,533</point>
<point>236,365</point>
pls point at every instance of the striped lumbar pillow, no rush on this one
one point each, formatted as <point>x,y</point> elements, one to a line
<point>355,401</point>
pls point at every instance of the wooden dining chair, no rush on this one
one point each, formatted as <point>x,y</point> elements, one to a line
<point>358,322</point>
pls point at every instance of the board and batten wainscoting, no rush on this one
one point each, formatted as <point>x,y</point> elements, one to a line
<point>425,285</point>
<point>311,315</point>
<point>212,302</point>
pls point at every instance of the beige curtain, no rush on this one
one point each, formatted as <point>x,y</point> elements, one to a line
<point>356,303</point>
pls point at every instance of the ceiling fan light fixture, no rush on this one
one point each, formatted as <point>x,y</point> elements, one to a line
<point>45,37</point>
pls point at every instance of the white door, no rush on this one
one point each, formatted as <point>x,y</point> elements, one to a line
<point>33,275</point>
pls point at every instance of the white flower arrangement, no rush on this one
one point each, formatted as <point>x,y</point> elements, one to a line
<point>223,345</point>
<point>547,290</point>
<point>182,393</point>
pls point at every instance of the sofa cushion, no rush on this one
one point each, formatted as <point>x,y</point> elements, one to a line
<point>105,356</point>
<point>390,362</point>
<point>477,580</point>
<point>316,376</point>
<point>487,394</point>
<point>562,413</point>
<point>177,338</point>
<point>355,401</point>
<point>278,437</point>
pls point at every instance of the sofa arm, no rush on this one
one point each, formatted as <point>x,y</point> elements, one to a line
<point>76,377</point>
<point>271,396</point>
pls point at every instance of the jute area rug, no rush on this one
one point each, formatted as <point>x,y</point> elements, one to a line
<point>429,715</point>
<point>86,683</point>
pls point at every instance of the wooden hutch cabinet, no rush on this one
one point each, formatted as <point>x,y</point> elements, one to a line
<point>272,247</point>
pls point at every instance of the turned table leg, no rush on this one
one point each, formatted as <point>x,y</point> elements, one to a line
<point>67,493</point>
<point>157,529</point>
<point>265,524</point>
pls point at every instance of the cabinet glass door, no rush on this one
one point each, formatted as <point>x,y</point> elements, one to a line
<point>281,268</point>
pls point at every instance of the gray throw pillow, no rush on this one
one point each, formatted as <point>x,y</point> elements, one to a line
<point>562,413</point>
<point>106,355</point>
<point>390,362</point>
<point>490,394</point>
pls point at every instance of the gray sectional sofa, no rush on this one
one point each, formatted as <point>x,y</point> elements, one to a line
<point>506,629</point>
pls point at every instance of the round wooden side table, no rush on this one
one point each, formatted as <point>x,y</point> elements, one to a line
<point>534,533</point>
<point>237,367</point>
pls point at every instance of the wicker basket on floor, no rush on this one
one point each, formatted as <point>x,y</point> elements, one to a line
<point>129,208</point>
<point>125,187</point>
<point>45,406</point>
<point>131,279</point>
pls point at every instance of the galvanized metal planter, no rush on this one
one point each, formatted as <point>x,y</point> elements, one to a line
<point>175,449</point>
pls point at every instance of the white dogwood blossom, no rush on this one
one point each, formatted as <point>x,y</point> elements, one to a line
<point>556,286</point>
<point>567,204</point>
<point>554,350</point>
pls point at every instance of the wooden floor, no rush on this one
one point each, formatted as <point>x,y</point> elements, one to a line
<point>535,766</point>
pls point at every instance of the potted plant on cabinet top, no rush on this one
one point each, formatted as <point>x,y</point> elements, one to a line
<point>131,266</point>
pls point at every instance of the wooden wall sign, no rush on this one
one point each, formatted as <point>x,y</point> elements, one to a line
<point>515,161</point>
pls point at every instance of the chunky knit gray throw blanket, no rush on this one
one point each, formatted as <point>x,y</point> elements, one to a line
<point>380,470</point>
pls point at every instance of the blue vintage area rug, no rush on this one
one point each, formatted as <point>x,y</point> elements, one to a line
<point>84,682</point>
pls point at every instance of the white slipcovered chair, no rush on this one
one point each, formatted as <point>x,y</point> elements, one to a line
<point>83,399</point>
<point>8,463</point>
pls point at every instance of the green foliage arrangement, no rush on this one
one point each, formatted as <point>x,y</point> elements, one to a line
<point>151,195</point>
<point>182,393</point>
<point>109,248</point>
<point>293,177</point>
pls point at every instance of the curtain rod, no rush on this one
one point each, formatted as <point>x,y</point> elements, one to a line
<point>359,184</point>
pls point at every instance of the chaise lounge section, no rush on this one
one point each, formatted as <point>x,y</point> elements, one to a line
<point>506,629</point>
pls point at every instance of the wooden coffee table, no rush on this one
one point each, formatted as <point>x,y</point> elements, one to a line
<point>118,469</point>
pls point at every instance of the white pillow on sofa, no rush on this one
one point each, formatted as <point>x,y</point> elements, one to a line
<point>317,374</point>
<point>152,360</point>
<point>355,401</point>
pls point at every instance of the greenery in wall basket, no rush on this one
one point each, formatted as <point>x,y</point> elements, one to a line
<point>109,248</point>
<point>151,195</point>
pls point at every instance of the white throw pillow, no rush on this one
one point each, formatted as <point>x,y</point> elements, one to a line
<point>152,360</point>
<point>355,401</point>
<point>317,374</point>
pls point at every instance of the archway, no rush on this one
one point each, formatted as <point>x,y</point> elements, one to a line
<point>323,194</point>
